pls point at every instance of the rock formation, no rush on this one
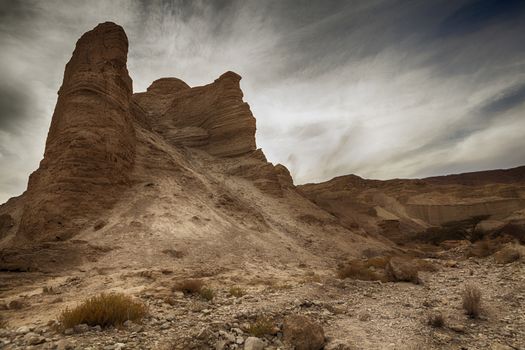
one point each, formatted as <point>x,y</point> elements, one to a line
<point>395,208</point>
<point>212,117</point>
<point>103,138</point>
<point>90,146</point>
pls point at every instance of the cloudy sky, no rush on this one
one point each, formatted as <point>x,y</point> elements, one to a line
<point>378,88</point>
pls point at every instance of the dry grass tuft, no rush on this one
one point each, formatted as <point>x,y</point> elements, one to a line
<point>104,310</point>
<point>436,320</point>
<point>472,300</point>
<point>359,270</point>
<point>484,248</point>
<point>261,327</point>
<point>237,292</point>
<point>189,286</point>
<point>207,294</point>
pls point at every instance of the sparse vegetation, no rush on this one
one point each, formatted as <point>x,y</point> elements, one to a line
<point>189,286</point>
<point>207,293</point>
<point>48,290</point>
<point>484,248</point>
<point>359,270</point>
<point>436,320</point>
<point>237,292</point>
<point>104,310</point>
<point>472,300</point>
<point>261,327</point>
<point>403,270</point>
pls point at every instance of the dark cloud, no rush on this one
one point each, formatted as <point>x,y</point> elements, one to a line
<point>510,98</point>
<point>14,109</point>
<point>478,14</point>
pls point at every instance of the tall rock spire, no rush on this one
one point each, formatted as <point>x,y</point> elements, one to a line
<point>91,142</point>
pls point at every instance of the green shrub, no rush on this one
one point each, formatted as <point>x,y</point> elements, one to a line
<point>104,310</point>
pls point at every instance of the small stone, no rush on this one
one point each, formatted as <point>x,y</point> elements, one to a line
<point>33,338</point>
<point>220,345</point>
<point>253,343</point>
<point>97,328</point>
<point>69,331</point>
<point>227,336</point>
<point>459,328</point>
<point>81,328</point>
<point>23,330</point>
<point>64,344</point>
<point>239,340</point>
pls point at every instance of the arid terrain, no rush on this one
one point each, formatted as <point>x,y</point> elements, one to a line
<point>163,196</point>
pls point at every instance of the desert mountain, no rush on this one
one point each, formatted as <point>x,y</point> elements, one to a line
<point>398,208</point>
<point>172,169</point>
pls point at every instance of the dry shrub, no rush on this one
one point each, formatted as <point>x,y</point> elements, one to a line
<point>401,269</point>
<point>378,262</point>
<point>472,300</point>
<point>104,310</point>
<point>425,265</point>
<point>484,248</point>
<point>189,286</point>
<point>261,327</point>
<point>237,292</point>
<point>436,320</point>
<point>207,293</point>
<point>359,270</point>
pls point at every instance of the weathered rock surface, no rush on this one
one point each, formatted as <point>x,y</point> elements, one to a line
<point>212,117</point>
<point>103,139</point>
<point>90,146</point>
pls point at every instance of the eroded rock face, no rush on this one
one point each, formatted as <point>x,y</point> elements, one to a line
<point>90,146</point>
<point>213,117</point>
<point>396,208</point>
<point>97,138</point>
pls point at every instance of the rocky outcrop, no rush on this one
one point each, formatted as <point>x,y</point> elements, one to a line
<point>90,146</point>
<point>213,117</point>
<point>397,208</point>
<point>101,133</point>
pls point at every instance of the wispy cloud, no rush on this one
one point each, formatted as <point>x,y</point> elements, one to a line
<point>378,88</point>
